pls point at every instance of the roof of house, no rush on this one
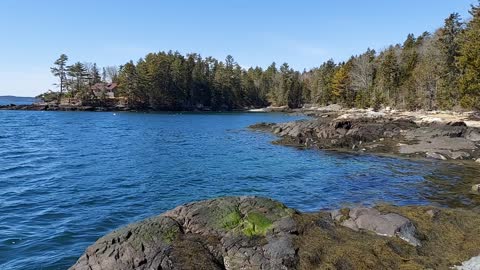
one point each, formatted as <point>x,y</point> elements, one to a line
<point>104,86</point>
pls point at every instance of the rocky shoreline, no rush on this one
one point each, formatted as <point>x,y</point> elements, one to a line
<point>259,233</point>
<point>54,107</point>
<point>108,108</point>
<point>382,134</point>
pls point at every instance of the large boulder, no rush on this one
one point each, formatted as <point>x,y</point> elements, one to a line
<point>225,233</point>
<point>370,219</point>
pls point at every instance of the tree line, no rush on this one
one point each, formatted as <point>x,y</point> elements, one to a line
<point>439,70</point>
<point>76,80</point>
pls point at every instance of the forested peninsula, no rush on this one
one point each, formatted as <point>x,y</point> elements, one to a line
<point>433,71</point>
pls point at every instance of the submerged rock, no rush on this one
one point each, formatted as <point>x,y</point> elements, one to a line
<point>259,233</point>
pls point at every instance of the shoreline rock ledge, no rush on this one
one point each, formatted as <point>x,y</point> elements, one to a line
<point>260,233</point>
<point>401,136</point>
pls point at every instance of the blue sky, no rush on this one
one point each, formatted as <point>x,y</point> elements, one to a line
<point>302,33</point>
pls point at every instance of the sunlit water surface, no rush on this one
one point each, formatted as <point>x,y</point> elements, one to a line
<point>67,178</point>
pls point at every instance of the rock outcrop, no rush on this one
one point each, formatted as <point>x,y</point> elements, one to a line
<point>378,134</point>
<point>227,233</point>
<point>259,233</point>
<point>371,219</point>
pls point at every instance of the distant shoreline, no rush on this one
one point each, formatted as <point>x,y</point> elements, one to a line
<point>54,107</point>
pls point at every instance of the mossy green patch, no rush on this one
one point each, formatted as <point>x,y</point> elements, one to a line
<point>232,220</point>
<point>256,224</point>
<point>169,235</point>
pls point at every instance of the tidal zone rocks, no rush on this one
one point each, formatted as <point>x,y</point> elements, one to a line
<point>259,233</point>
<point>381,135</point>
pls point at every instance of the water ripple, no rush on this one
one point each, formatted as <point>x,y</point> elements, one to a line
<point>67,178</point>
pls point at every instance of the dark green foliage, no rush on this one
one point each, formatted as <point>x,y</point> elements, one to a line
<point>449,44</point>
<point>432,71</point>
<point>469,62</point>
<point>79,74</point>
<point>60,70</point>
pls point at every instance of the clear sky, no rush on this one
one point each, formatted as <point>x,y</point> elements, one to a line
<point>111,32</point>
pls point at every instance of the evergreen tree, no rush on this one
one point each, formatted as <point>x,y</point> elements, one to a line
<point>469,62</point>
<point>439,70</point>
<point>388,78</point>
<point>78,73</point>
<point>60,70</point>
<point>408,61</point>
<point>448,40</point>
<point>95,74</point>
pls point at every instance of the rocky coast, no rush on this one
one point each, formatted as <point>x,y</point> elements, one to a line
<point>436,136</point>
<point>259,233</point>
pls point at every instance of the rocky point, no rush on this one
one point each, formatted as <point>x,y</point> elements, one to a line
<point>259,233</point>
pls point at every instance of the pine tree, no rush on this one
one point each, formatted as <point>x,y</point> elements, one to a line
<point>129,85</point>
<point>448,43</point>
<point>78,72</point>
<point>408,62</point>
<point>389,78</point>
<point>469,62</point>
<point>60,71</point>
<point>95,74</point>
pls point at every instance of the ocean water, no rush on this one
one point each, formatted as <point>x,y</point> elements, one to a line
<point>7,100</point>
<point>67,178</point>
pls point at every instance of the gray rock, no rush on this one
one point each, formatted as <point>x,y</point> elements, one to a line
<point>458,155</point>
<point>432,213</point>
<point>476,188</point>
<point>390,225</point>
<point>473,135</point>
<point>437,141</point>
<point>336,214</point>
<point>438,144</point>
<point>350,223</point>
<point>472,264</point>
<point>435,156</point>
<point>225,233</point>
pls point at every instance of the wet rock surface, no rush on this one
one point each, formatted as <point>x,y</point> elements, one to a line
<point>402,136</point>
<point>259,233</point>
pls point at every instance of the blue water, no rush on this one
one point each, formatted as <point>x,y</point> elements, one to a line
<point>67,178</point>
<point>7,100</point>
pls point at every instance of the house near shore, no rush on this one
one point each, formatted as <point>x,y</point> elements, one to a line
<point>107,90</point>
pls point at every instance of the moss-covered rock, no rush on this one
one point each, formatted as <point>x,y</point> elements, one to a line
<point>259,233</point>
<point>256,224</point>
